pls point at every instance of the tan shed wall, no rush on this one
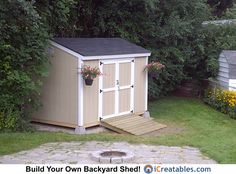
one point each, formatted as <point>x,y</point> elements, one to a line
<point>59,93</point>
<point>139,85</point>
<point>91,99</point>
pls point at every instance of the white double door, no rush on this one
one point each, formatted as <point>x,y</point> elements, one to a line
<point>116,87</point>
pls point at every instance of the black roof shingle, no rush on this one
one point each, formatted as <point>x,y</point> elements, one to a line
<point>100,46</point>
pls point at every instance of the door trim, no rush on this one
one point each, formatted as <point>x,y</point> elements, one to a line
<point>101,90</point>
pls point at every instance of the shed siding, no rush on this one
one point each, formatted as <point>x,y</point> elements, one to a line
<point>223,74</point>
<point>222,59</point>
<point>222,64</point>
<point>227,69</point>
<point>223,79</point>
<point>59,93</point>
<point>90,99</point>
<point>232,71</point>
<point>223,69</point>
<point>139,85</point>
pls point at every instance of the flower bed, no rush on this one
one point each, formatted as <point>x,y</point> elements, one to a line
<point>222,100</point>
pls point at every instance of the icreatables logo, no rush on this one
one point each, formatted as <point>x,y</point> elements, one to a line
<point>148,169</point>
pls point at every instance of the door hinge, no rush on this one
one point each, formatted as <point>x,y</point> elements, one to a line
<point>101,63</point>
<point>100,91</point>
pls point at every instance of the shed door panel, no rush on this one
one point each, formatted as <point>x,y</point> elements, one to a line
<point>125,86</point>
<point>109,75</point>
<point>125,74</point>
<point>109,88</point>
<point>109,103</point>
<point>116,87</point>
<point>124,100</point>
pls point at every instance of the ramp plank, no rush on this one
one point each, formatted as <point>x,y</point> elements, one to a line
<point>131,124</point>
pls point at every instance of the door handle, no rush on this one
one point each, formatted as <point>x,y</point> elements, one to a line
<point>118,84</point>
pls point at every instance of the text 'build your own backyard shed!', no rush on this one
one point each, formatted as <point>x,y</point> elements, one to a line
<point>121,90</point>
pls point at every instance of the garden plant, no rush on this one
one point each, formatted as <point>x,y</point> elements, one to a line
<point>222,100</point>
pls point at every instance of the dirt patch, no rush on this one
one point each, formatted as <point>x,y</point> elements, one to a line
<point>54,128</point>
<point>169,130</point>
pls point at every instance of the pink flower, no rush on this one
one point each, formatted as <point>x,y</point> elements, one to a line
<point>90,72</point>
<point>154,66</point>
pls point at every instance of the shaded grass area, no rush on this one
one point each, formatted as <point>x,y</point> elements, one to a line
<point>210,131</point>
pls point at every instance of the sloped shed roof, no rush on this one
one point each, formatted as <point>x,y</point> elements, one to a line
<point>100,46</point>
<point>230,56</point>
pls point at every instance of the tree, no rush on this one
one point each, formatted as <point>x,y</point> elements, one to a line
<point>23,60</point>
<point>220,6</point>
<point>59,16</point>
<point>165,27</point>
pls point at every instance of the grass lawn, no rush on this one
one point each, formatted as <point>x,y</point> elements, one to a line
<point>212,132</point>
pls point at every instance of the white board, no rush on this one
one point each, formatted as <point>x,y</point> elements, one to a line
<point>232,84</point>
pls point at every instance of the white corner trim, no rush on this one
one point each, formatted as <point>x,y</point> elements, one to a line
<point>132,84</point>
<point>80,95</point>
<point>118,56</point>
<point>117,90</point>
<point>100,95</point>
<point>66,50</point>
<point>146,87</point>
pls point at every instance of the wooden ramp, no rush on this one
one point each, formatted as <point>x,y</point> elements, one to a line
<point>131,124</point>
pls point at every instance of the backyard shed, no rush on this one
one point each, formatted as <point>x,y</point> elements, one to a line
<point>227,69</point>
<point>121,90</point>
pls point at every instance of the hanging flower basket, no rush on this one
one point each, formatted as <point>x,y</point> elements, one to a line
<point>154,68</point>
<point>89,74</point>
<point>88,82</point>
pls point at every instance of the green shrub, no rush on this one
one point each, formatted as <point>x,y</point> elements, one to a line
<point>222,100</point>
<point>23,60</point>
<point>9,120</point>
